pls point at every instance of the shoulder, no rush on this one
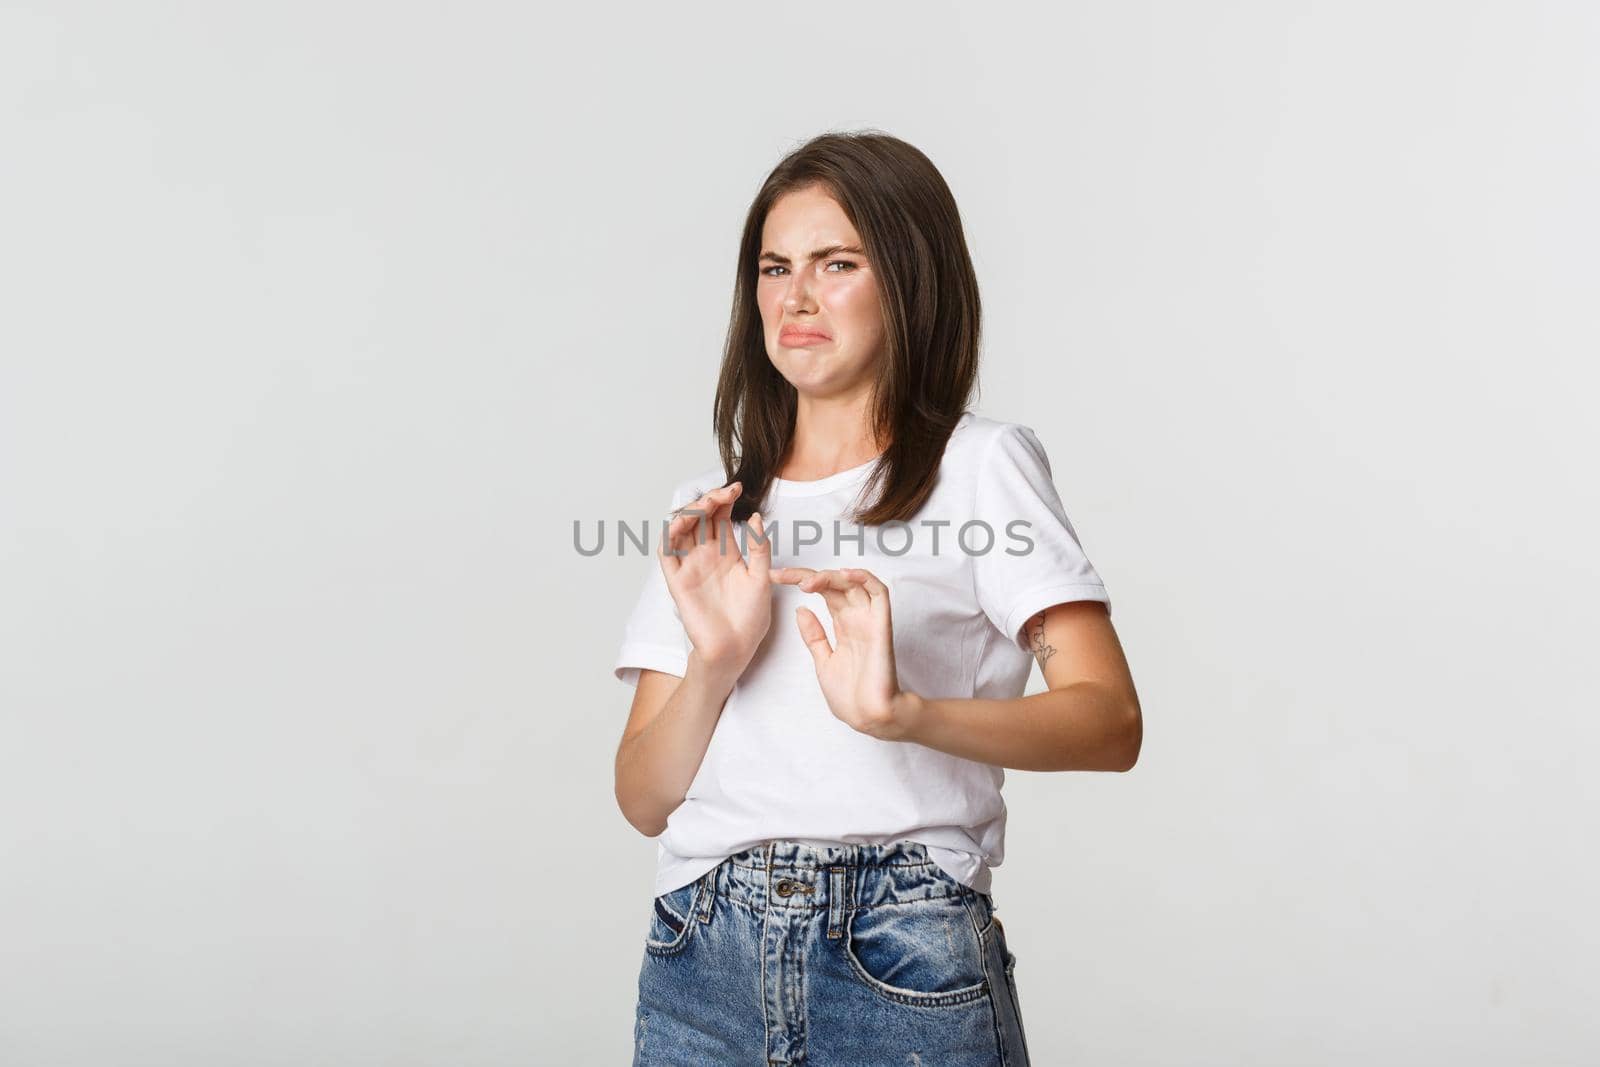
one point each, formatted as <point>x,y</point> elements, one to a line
<point>979,440</point>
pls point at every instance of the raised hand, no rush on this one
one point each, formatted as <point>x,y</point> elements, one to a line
<point>857,676</point>
<point>724,601</point>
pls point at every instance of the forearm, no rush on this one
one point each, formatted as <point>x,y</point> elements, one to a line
<point>1081,727</point>
<point>656,765</point>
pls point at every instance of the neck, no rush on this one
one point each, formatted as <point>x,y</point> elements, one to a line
<point>830,436</point>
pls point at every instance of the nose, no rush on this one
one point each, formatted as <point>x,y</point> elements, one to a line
<point>798,294</point>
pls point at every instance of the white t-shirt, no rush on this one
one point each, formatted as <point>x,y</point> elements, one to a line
<point>779,763</point>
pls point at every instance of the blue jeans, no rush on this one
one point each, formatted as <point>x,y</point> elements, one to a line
<point>836,956</point>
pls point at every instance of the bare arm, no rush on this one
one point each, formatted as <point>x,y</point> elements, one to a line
<point>668,731</point>
<point>725,603</point>
<point>1088,720</point>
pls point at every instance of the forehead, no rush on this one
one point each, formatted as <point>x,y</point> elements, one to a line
<point>807,217</point>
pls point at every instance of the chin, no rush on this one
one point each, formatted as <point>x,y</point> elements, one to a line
<point>797,367</point>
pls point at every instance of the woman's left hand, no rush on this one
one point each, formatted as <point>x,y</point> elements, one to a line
<point>858,676</point>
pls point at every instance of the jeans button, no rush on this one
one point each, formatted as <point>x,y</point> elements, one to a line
<point>785,887</point>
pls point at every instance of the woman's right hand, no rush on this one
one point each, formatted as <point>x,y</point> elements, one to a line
<point>725,602</point>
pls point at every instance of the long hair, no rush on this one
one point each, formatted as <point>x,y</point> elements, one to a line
<point>928,294</point>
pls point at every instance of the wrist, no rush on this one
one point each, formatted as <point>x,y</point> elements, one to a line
<point>719,670</point>
<point>908,713</point>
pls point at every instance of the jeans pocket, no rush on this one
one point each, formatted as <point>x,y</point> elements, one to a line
<point>673,917</point>
<point>923,952</point>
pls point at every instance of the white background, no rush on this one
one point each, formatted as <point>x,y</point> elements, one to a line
<point>320,324</point>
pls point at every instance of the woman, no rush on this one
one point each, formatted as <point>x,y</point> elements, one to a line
<point>826,790</point>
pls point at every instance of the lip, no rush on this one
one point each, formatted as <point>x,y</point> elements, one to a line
<point>794,337</point>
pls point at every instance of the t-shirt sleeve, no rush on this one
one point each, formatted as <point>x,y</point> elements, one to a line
<point>1017,497</point>
<point>653,636</point>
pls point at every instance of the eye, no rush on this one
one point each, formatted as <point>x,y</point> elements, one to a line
<point>842,263</point>
<point>767,271</point>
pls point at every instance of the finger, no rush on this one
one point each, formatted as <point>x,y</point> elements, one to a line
<point>675,540</point>
<point>722,502</point>
<point>869,581</point>
<point>813,580</point>
<point>707,504</point>
<point>872,588</point>
<point>841,603</point>
<point>720,534</point>
<point>833,578</point>
<point>791,575</point>
<point>837,601</point>
<point>687,526</point>
<point>759,546</point>
<point>812,633</point>
<point>669,562</point>
<point>837,588</point>
<point>722,529</point>
<point>716,496</point>
<point>696,522</point>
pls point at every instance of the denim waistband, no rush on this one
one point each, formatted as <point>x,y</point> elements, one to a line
<point>791,875</point>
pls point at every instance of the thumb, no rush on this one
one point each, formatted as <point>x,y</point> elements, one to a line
<point>813,635</point>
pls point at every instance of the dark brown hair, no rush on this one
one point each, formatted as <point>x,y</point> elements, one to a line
<point>928,294</point>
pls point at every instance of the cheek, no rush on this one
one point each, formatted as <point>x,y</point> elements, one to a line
<point>856,308</point>
<point>770,301</point>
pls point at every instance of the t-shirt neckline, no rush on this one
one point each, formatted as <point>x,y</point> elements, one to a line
<point>816,487</point>
<point>785,487</point>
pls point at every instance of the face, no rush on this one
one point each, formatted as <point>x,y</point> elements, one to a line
<point>818,296</point>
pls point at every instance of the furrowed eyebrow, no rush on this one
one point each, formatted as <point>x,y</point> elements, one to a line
<point>821,253</point>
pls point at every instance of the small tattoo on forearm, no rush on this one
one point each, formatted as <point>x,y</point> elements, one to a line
<point>1041,650</point>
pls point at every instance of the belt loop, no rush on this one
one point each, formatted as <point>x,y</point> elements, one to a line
<point>836,902</point>
<point>708,890</point>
